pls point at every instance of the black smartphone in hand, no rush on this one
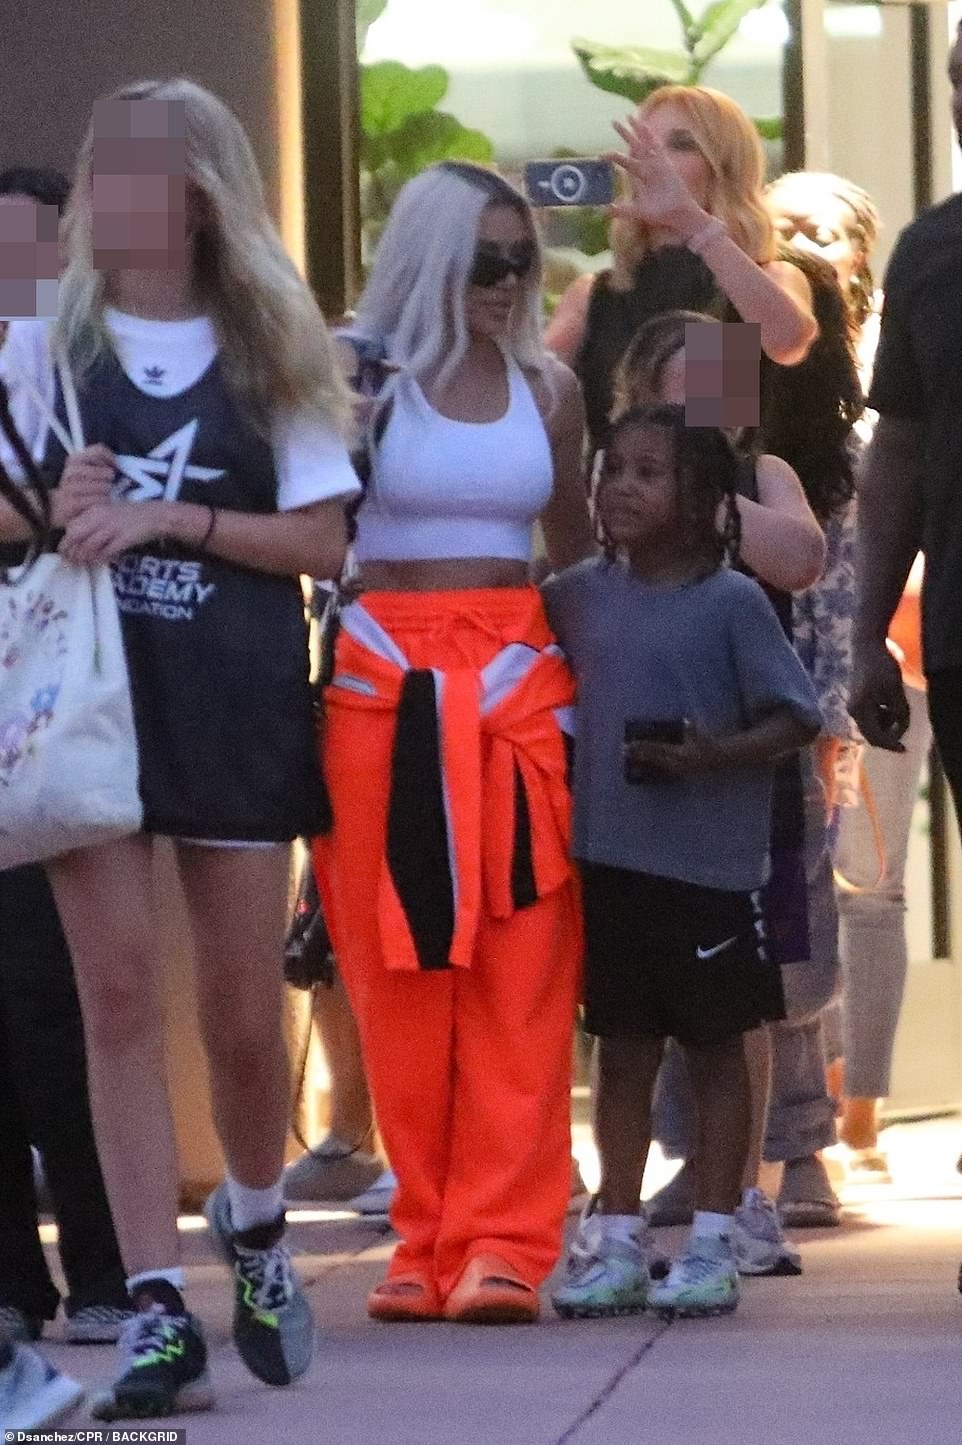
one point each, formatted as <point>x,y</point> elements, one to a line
<point>576,182</point>
<point>651,730</point>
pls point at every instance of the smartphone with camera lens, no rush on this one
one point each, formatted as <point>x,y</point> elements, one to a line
<point>651,730</point>
<point>576,182</point>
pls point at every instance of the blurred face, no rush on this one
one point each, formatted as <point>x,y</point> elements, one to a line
<point>140,201</point>
<point>504,256</point>
<point>670,125</point>
<point>636,492</point>
<point>955,80</point>
<point>29,257</point>
<point>821,224</point>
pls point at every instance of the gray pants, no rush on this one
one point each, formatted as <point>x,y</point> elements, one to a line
<point>802,1115</point>
<point>872,935</point>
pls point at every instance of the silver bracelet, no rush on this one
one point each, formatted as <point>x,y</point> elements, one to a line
<point>702,239</point>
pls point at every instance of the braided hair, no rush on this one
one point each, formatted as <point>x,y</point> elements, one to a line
<point>706,477</point>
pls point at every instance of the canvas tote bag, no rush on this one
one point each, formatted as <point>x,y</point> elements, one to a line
<point>68,750</point>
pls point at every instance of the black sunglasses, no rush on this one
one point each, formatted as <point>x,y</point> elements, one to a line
<point>494,263</point>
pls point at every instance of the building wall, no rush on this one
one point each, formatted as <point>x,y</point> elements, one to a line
<point>58,57</point>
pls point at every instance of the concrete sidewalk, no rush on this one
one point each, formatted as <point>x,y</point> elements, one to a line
<point>865,1348</point>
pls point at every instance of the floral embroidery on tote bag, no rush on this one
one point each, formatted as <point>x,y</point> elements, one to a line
<point>32,622</point>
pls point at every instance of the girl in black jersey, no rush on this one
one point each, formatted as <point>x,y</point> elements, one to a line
<point>214,473</point>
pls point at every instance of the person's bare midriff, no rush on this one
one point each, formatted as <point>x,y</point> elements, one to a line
<point>444,574</point>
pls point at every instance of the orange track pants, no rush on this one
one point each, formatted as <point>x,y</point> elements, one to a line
<point>469,1068</point>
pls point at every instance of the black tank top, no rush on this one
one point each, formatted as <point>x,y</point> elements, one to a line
<point>671,278</point>
<point>217,654</point>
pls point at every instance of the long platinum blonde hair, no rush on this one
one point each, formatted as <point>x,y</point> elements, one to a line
<point>414,301</point>
<point>275,347</point>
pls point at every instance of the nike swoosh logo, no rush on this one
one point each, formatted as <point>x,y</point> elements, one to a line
<point>719,948</point>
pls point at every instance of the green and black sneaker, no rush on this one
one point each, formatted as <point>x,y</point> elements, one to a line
<point>273,1324</point>
<point>164,1361</point>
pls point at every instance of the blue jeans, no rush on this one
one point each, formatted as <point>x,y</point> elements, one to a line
<point>872,934</point>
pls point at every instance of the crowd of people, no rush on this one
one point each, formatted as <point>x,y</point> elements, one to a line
<point>605,630</point>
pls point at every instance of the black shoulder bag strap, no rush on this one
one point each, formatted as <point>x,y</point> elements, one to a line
<point>31,503</point>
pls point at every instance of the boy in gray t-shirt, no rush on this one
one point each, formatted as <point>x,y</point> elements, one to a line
<point>688,693</point>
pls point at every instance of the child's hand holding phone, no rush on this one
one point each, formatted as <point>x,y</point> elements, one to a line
<point>657,752</point>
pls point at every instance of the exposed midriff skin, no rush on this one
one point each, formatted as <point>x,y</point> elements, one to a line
<point>444,574</point>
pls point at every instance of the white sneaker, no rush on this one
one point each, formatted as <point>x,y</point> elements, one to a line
<point>606,1271</point>
<point>702,1281</point>
<point>758,1239</point>
<point>32,1392</point>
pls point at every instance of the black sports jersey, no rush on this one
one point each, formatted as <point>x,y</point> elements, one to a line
<point>217,653</point>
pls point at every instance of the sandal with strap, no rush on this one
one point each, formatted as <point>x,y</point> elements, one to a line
<point>490,1292</point>
<point>404,1299</point>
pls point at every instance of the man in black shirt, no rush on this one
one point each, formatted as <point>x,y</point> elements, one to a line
<point>911,487</point>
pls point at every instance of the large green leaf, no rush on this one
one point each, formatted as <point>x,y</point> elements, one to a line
<point>366,12</point>
<point>391,93</point>
<point>770,127</point>
<point>633,71</point>
<point>718,24</point>
<point>436,136</point>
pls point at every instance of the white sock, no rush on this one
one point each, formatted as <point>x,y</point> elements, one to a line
<point>251,1207</point>
<point>174,1276</point>
<point>706,1225</point>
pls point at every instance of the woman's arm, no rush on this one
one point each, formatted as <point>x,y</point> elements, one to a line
<point>307,540</point>
<point>566,330</point>
<point>781,540</point>
<point>776,296</point>
<point>565,521</point>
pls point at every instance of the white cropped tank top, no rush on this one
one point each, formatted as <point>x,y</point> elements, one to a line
<point>442,488</point>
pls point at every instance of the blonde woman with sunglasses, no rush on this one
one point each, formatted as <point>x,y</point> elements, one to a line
<point>446,881</point>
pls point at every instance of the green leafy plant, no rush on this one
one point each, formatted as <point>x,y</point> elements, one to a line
<point>634,71</point>
<point>402,129</point>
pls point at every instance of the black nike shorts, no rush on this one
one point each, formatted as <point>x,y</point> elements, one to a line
<point>673,959</point>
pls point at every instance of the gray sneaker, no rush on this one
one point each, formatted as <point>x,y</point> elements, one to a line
<point>376,1201</point>
<point>273,1325</point>
<point>96,1325</point>
<point>807,1199</point>
<point>330,1174</point>
<point>702,1281</point>
<point>32,1392</point>
<point>606,1271</point>
<point>758,1238</point>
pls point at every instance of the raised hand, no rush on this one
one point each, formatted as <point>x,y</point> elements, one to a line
<point>659,196</point>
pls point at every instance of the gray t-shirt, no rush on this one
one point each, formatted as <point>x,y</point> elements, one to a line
<point>712,652</point>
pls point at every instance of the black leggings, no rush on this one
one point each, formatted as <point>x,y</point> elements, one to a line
<point>44,1101</point>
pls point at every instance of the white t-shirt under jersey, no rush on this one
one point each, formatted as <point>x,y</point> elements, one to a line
<point>164,358</point>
